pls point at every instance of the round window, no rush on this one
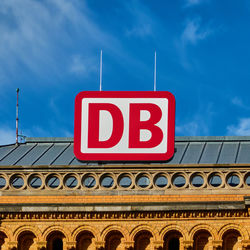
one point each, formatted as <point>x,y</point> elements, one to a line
<point>215,180</point>
<point>143,181</point>
<point>233,180</point>
<point>197,180</point>
<point>107,181</point>
<point>161,181</point>
<point>125,181</point>
<point>179,181</point>
<point>247,179</point>
<point>35,181</point>
<point>2,182</point>
<point>89,181</point>
<point>70,181</point>
<point>17,181</point>
<point>53,181</point>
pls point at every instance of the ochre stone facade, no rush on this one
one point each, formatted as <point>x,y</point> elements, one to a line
<point>126,230</point>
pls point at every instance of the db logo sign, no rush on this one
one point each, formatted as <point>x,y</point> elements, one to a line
<point>124,126</point>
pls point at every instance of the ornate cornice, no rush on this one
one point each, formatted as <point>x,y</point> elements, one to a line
<point>124,215</point>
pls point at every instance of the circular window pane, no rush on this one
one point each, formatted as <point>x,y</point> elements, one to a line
<point>71,181</point>
<point>53,181</point>
<point>197,181</point>
<point>161,181</point>
<point>215,180</point>
<point>233,180</point>
<point>179,181</point>
<point>2,182</point>
<point>17,182</point>
<point>247,180</point>
<point>89,182</point>
<point>35,182</point>
<point>107,182</point>
<point>143,181</point>
<point>125,182</point>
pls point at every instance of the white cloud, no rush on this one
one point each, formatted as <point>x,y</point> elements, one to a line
<point>191,3</point>
<point>80,66</point>
<point>193,32</point>
<point>7,136</point>
<point>53,131</point>
<point>194,128</point>
<point>239,102</point>
<point>191,128</point>
<point>241,129</point>
<point>40,35</point>
<point>142,20</point>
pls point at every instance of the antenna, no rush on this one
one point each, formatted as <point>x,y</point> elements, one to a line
<point>17,92</point>
<point>155,73</point>
<point>101,71</point>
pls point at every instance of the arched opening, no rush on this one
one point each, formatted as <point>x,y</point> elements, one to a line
<point>172,240</point>
<point>84,241</point>
<point>201,240</point>
<point>2,239</point>
<point>55,241</point>
<point>113,241</point>
<point>26,241</point>
<point>230,240</point>
<point>142,240</point>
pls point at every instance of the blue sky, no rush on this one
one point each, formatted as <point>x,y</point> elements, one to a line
<point>51,49</point>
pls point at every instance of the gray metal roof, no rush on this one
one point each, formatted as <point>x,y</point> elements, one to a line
<point>188,150</point>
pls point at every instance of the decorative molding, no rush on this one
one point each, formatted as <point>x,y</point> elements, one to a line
<point>123,215</point>
<point>43,180</point>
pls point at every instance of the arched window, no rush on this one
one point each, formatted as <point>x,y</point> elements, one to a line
<point>172,240</point>
<point>2,239</point>
<point>230,240</point>
<point>113,240</point>
<point>55,241</point>
<point>201,240</point>
<point>84,241</point>
<point>26,241</point>
<point>142,240</point>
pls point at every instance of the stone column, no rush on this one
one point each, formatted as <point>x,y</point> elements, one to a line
<point>70,245</point>
<point>216,244</point>
<point>157,244</point>
<point>41,245</point>
<point>128,245</point>
<point>186,244</point>
<point>12,245</point>
<point>245,244</point>
<point>99,245</point>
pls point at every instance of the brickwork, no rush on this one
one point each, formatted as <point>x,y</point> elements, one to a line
<point>119,199</point>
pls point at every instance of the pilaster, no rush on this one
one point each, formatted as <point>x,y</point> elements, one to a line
<point>41,245</point>
<point>12,245</point>
<point>99,245</point>
<point>70,245</point>
<point>216,244</point>
<point>158,244</point>
<point>128,244</point>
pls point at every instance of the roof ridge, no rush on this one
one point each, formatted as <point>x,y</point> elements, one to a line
<point>177,139</point>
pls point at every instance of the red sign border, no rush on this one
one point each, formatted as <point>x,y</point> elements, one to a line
<point>124,156</point>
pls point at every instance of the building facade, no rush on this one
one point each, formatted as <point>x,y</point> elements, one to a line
<point>198,200</point>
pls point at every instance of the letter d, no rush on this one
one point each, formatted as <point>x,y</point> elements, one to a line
<point>94,125</point>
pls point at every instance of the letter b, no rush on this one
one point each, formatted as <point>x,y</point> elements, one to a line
<point>135,125</point>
